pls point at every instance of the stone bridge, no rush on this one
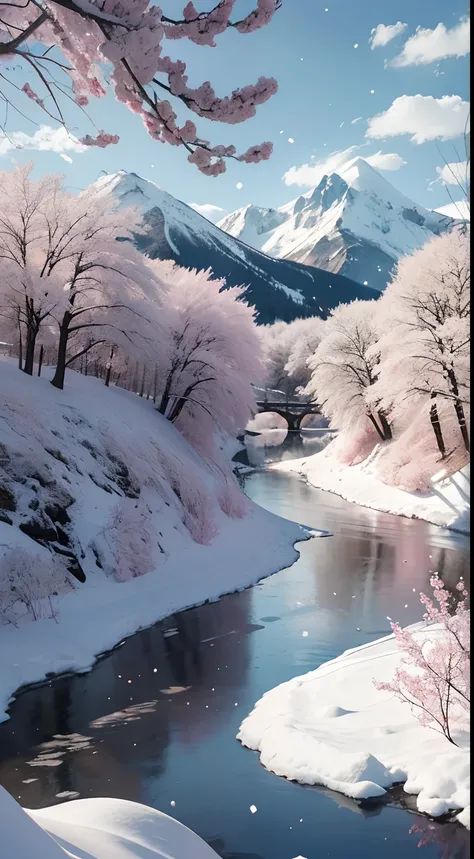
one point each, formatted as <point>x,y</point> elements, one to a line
<point>292,412</point>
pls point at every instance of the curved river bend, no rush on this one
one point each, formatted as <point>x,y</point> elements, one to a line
<point>155,721</point>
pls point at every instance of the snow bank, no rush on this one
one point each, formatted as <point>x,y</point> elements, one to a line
<point>118,477</point>
<point>332,727</point>
<point>96,829</point>
<point>448,505</point>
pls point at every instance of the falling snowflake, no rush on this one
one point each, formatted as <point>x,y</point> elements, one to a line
<point>372,91</point>
<point>239,185</point>
<point>172,803</point>
<point>366,282</point>
<point>253,809</point>
<point>305,633</point>
<point>356,45</point>
<point>290,140</point>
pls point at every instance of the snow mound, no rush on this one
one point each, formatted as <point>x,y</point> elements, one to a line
<point>375,741</point>
<point>96,829</point>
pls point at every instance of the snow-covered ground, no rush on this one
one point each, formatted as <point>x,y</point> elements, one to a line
<point>95,829</point>
<point>447,505</point>
<point>334,728</point>
<point>121,488</point>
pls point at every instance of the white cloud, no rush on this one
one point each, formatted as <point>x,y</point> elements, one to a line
<point>427,46</point>
<point>309,175</point>
<point>44,139</point>
<point>357,119</point>
<point>455,173</point>
<point>385,160</point>
<point>212,213</point>
<point>382,34</point>
<point>65,157</point>
<point>424,117</point>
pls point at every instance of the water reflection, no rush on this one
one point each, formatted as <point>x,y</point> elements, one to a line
<point>279,444</point>
<point>155,721</point>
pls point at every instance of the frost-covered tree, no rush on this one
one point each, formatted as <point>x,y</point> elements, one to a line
<point>212,354</point>
<point>343,369</point>
<point>63,268</point>
<point>307,334</point>
<point>30,285</point>
<point>286,348</point>
<point>104,44</point>
<point>425,347</point>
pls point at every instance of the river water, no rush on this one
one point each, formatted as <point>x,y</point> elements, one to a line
<point>155,721</point>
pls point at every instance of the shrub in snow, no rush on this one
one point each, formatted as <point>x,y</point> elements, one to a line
<point>231,500</point>
<point>435,674</point>
<point>131,537</point>
<point>195,500</point>
<point>30,581</point>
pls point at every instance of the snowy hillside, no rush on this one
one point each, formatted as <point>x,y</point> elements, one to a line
<point>354,223</point>
<point>458,211</point>
<point>279,289</point>
<point>109,520</point>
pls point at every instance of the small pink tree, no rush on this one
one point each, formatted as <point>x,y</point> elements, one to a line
<point>434,677</point>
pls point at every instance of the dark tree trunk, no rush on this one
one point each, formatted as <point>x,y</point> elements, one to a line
<point>166,396</point>
<point>58,379</point>
<point>40,361</point>
<point>155,384</point>
<point>372,419</point>
<point>386,428</point>
<point>459,409</point>
<point>31,334</point>
<point>435,423</point>
<point>20,349</point>
<point>142,386</point>
<point>109,367</point>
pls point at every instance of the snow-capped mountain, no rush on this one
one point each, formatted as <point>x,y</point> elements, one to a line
<point>279,289</point>
<point>354,223</point>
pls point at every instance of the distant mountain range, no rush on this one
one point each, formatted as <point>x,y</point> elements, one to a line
<point>354,223</point>
<point>279,288</point>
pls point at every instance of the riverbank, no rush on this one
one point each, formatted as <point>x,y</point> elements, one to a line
<point>447,505</point>
<point>110,520</point>
<point>332,727</point>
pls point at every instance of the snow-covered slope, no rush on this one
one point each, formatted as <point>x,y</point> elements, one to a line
<point>100,490</point>
<point>459,210</point>
<point>280,289</point>
<point>354,223</point>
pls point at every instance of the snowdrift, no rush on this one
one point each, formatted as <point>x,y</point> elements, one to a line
<point>332,727</point>
<point>96,488</point>
<point>96,829</point>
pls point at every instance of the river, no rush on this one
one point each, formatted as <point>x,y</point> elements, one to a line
<point>155,720</point>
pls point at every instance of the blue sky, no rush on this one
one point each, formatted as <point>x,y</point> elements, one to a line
<point>324,81</point>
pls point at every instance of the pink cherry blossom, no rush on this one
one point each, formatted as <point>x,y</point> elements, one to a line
<point>120,45</point>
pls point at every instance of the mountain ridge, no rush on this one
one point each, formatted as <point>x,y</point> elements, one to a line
<point>279,289</point>
<point>354,223</point>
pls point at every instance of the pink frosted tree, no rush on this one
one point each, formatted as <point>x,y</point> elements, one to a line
<point>343,371</point>
<point>122,46</point>
<point>424,348</point>
<point>212,354</point>
<point>434,676</point>
<point>286,348</point>
<point>63,269</point>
